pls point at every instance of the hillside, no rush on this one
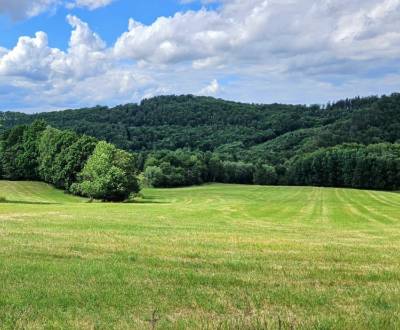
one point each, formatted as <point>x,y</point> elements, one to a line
<point>212,132</point>
<point>204,123</point>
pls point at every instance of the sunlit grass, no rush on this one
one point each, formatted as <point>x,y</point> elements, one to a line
<point>217,256</point>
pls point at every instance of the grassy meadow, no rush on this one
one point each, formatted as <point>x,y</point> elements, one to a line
<point>209,257</point>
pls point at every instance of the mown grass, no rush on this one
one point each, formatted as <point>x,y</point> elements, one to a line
<point>211,257</point>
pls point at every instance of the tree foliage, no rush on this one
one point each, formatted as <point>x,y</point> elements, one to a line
<point>265,175</point>
<point>19,151</point>
<point>109,174</point>
<point>185,140</point>
<point>375,166</point>
<point>175,168</point>
<point>41,152</point>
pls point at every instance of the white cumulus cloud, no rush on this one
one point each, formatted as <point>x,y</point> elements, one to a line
<point>282,34</point>
<point>33,58</point>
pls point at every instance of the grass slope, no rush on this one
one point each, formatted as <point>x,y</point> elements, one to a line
<point>217,256</point>
<point>34,193</point>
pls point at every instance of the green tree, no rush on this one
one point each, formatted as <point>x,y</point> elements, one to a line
<point>27,158</point>
<point>265,175</point>
<point>109,174</point>
<point>52,146</point>
<point>12,147</point>
<point>154,176</point>
<point>238,172</point>
<point>71,160</point>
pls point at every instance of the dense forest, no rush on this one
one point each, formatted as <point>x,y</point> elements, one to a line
<point>76,163</point>
<point>184,140</point>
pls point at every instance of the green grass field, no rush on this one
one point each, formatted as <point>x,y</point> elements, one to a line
<point>210,257</point>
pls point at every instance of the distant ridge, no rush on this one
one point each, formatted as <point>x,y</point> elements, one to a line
<point>246,131</point>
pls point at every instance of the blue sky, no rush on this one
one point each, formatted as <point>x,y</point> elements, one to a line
<point>57,54</point>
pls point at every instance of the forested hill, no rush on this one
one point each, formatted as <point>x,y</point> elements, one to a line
<point>183,140</point>
<point>242,131</point>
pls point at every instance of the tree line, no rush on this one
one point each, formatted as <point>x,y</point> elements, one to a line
<point>84,166</point>
<point>77,163</point>
<point>376,166</point>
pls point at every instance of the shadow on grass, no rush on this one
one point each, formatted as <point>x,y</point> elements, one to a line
<point>27,203</point>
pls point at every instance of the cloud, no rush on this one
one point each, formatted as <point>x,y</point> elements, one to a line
<point>84,74</point>
<point>91,4</point>
<point>20,9</point>
<point>211,89</point>
<point>32,58</point>
<point>301,51</point>
<point>261,31</point>
<point>3,51</point>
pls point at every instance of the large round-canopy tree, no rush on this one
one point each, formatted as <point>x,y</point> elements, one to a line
<point>109,174</point>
